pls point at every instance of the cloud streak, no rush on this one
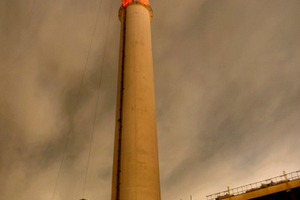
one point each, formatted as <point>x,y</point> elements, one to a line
<point>227,95</point>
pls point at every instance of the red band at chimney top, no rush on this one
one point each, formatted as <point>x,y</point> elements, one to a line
<point>125,2</point>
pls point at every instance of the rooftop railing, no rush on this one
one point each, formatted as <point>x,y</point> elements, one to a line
<point>255,186</point>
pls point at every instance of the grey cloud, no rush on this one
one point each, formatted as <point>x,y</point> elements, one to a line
<point>227,95</point>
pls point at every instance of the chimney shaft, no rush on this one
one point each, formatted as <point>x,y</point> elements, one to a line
<point>135,165</point>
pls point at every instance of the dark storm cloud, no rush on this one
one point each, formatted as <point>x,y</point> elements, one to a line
<point>45,50</point>
<point>227,95</point>
<point>233,79</point>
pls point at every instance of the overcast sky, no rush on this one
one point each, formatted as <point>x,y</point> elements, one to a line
<point>227,81</point>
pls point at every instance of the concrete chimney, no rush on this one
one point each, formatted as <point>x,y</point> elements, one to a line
<point>135,164</point>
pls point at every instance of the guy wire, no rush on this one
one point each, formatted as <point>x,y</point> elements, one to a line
<point>73,113</point>
<point>97,103</point>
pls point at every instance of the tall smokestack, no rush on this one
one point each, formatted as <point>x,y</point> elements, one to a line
<point>135,165</point>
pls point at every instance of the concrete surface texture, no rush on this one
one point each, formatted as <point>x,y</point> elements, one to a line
<point>135,167</point>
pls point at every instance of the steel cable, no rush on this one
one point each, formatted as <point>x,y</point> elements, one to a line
<point>73,113</point>
<point>97,103</point>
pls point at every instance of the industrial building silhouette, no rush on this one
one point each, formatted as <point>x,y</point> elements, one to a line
<point>284,187</point>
